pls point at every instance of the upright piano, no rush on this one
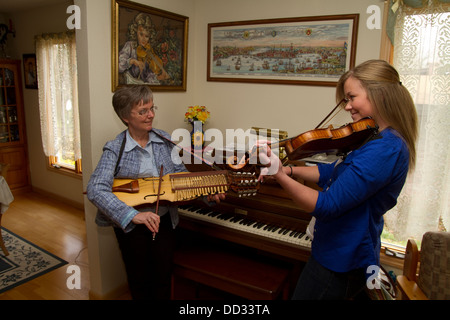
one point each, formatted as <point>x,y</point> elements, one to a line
<point>267,226</point>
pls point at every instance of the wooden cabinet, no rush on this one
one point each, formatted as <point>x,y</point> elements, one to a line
<point>13,145</point>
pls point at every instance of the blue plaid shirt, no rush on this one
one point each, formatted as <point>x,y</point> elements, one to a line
<point>133,164</point>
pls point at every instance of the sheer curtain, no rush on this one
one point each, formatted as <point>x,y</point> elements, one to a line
<point>422,57</point>
<point>58,95</point>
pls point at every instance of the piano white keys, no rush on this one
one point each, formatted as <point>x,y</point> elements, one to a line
<point>245,224</point>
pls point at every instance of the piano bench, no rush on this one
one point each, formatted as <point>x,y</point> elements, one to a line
<point>232,273</point>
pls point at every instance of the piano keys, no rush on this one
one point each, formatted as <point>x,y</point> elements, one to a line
<point>284,234</point>
<point>269,222</point>
<point>267,227</point>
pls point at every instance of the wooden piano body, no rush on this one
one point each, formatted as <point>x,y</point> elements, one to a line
<point>257,239</point>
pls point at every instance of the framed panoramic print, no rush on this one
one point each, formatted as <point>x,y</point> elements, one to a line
<point>149,46</point>
<point>302,51</point>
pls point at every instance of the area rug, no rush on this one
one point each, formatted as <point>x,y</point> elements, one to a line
<point>25,261</point>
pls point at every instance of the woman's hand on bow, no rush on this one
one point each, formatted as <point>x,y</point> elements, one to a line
<point>150,219</point>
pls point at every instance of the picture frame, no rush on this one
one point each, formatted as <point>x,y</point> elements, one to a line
<point>313,51</point>
<point>149,46</point>
<point>30,71</point>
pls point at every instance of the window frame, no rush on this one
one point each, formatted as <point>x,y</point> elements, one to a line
<point>55,166</point>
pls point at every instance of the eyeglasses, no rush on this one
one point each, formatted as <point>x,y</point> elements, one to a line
<point>343,103</point>
<point>144,112</point>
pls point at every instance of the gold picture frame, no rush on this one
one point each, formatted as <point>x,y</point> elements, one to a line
<point>299,51</point>
<point>149,46</point>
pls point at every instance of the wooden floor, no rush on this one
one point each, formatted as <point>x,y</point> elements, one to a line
<point>59,229</point>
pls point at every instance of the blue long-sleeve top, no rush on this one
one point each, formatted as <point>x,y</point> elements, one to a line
<point>136,162</point>
<point>356,194</point>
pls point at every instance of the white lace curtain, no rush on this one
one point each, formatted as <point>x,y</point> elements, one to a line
<point>58,95</point>
<point>422,57</point>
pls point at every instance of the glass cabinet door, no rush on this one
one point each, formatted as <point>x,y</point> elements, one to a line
<point>13,140</point>
<point>9,116</point>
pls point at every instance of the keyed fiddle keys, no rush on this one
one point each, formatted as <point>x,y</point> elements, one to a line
<point>180,187</point>
<point>189,186</point>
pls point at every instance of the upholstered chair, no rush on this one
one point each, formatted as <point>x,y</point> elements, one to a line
<point>426,273</point>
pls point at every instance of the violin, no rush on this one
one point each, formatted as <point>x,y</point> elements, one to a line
<point>147,55</point>
<point>143,53</point>
<point>340,141</point>
<point>328,140</point>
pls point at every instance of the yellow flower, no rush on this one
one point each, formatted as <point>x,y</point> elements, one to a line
<point>196,113</point>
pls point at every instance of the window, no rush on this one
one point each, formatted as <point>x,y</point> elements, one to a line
<point>421,56</point>
<point>58,100</point>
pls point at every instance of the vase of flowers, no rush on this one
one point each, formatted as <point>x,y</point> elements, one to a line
<point>197,117</point>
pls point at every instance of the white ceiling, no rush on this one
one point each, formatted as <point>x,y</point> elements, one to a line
<point>11,6</point>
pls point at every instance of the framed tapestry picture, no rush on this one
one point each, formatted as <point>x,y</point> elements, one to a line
<point>30,71</point>
<point>302,51</point>
<point>149,46</point>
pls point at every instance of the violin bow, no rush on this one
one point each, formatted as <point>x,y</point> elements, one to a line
<point>210,164</point>
<point>284,160</point>
<point>159,192</point>
<point>325,119</point>
<point>318,126</point>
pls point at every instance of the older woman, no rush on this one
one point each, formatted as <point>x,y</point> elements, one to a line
<point>135,153</point>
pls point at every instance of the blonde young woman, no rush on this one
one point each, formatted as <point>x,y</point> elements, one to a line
<point>357,190</point>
